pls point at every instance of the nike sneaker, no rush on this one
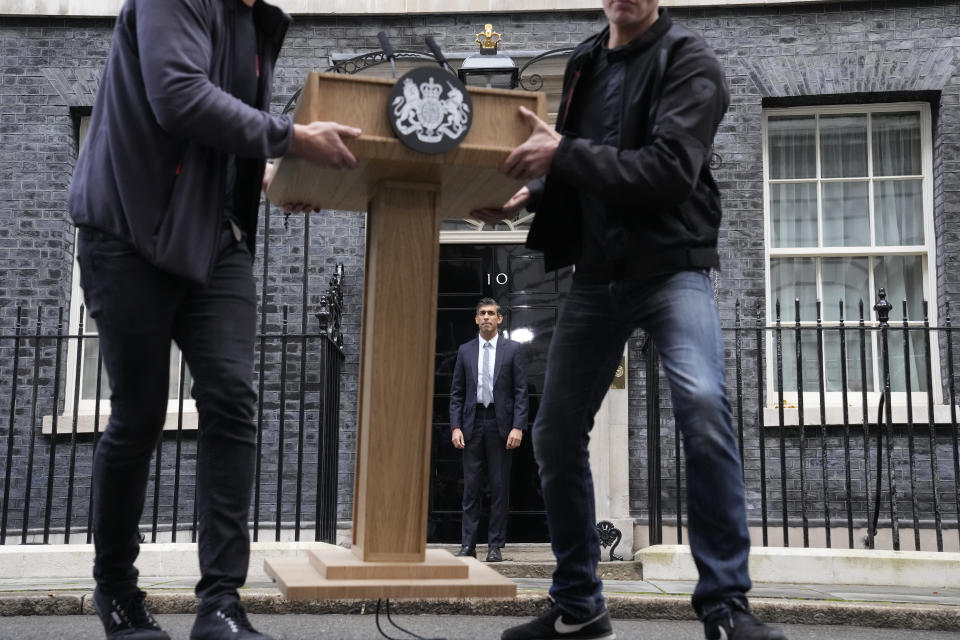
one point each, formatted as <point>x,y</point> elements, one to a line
<point>737,623</point>
<point>556,624</point>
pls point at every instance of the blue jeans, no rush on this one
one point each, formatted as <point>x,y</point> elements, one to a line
<point>680,314</point>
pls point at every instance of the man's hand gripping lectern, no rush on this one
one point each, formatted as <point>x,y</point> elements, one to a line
<point>405,194</point>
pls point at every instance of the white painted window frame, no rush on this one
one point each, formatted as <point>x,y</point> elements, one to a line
<point>833,399</point>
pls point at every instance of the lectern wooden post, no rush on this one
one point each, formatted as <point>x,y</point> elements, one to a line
<point>406,194</point>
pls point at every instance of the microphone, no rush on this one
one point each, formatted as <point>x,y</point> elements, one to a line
<point>435,50</point>
<point>388,51</point>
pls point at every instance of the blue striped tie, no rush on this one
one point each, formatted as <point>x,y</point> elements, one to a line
<point>486,380</point>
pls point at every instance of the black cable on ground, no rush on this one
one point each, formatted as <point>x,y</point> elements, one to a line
<point>397,626</point>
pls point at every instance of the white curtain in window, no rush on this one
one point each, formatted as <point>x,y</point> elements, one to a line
<point>899,212</point>
<point>856,373</point>
<point>902,277</point>
<point>847,281</point>
<point>794,279</point>
<point>896,144</point>
<point>843,146</point>
<point>793,211</point>
<point>792,147</point>
<point>846,214</point>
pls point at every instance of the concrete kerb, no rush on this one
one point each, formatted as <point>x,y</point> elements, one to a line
<point>643,607</point>
<point>817,566</point>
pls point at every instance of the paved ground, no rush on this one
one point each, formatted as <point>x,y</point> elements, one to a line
<point>55,607</point>
<point>351,627</point>
<point>830,593</point>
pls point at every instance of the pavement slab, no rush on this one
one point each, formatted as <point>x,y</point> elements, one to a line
<point>447,627</point>
<point>851,605</point>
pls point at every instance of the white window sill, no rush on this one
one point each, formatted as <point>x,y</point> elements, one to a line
<point>834,415</point>
<point>85,422</point>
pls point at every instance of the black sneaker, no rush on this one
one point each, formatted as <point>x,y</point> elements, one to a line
<point>555,624</point>
<point>125,617</point>
<point>226,621</point>
<point>737,623</point>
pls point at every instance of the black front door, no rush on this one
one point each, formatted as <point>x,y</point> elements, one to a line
<point>530,300</point>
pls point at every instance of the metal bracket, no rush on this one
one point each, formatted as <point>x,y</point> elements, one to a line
<point>609,535</point>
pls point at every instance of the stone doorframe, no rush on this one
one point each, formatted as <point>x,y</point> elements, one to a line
<point>609,451</point>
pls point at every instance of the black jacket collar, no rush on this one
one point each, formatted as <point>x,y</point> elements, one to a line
<point>597,43</point>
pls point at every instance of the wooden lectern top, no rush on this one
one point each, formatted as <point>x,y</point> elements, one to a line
<point>467,176</point>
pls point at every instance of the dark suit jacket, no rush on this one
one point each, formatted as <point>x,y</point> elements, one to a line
<point>509,387</point>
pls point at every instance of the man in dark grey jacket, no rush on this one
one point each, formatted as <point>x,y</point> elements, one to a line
<point>622,189</point>
<point>165,196</point>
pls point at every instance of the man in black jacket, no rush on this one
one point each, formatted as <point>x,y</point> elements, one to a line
<point>622,189</point>
<point>165,196</point>
<point>488,415</point>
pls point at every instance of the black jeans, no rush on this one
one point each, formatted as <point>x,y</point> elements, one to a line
<point>139,310</point>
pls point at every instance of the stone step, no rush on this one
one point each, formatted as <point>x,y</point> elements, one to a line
<point>533,560</point>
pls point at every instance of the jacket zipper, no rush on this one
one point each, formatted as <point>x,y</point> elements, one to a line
<point>230,14</point>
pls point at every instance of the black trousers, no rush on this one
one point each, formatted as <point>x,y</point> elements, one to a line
<point>139,310</point>
<point>486,466</point>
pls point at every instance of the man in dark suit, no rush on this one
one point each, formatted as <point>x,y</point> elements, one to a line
<point>488,415</point>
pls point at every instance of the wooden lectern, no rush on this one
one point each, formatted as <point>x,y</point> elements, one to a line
<point>405,194</point>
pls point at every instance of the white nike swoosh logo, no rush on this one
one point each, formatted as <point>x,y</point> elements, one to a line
<point>723,634</point>
<point>562,627</point>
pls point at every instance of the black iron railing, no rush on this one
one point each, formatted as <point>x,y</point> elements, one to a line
<point>47,454</point>
<point>843,426</point>
<point>828,429</point>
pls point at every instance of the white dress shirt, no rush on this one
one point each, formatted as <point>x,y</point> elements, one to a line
<point>493,363</point>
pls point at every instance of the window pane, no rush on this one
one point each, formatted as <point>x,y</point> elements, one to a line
<point>792,278</point>
<point>843,146</point>
<point>793,212</point>
<point>902,277</point>
<point>88,372</point>
<point>88,380</point>
<point>899,207</point>
<point>809,363</point>
<point>832,361</point>
<point>845,280</point>
<point>174,382</point>
<point>846,214</point>
<point>792,147</point>
<point>896,144</point>
<point>918,363</point>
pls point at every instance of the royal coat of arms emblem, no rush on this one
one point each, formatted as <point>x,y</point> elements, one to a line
<point>430,110</point>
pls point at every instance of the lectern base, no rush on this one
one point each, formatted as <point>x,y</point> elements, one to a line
<point>305,579</point>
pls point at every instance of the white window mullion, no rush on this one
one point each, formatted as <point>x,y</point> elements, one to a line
<point>870,185</point>
<point>819,174</point>
<point>874,335</point>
